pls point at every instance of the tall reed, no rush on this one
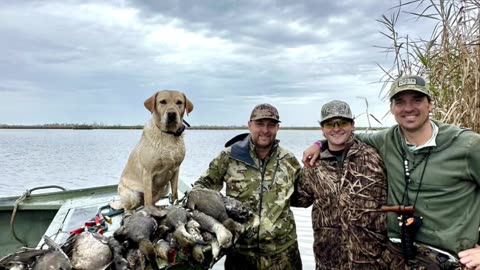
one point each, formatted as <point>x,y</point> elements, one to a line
<point>449,58</point>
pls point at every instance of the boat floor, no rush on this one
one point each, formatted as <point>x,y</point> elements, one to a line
<point>85,204</point>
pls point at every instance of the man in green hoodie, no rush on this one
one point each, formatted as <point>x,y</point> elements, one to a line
<point>435,169</point>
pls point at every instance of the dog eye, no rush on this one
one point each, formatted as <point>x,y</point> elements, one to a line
<point>179,102</point>
<point>163,101</point>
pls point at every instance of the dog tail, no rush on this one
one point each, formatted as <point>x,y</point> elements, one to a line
<point>147,248</point>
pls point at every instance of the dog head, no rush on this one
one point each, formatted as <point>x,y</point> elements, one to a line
<point>167,108</point>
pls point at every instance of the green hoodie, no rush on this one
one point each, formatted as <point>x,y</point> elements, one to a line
<point>449,196</point>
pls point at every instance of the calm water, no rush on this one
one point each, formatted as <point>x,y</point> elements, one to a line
<point>88,158</point>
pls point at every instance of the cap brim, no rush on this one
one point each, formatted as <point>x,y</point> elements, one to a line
<point>414,90</point>
<point>276,120</point>
<point>336,116</point>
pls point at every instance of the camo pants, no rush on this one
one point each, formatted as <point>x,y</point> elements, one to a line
<point>289,259</point>
<point>426,259</point>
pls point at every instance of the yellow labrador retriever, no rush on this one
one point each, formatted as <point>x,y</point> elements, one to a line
<point>154,164</point>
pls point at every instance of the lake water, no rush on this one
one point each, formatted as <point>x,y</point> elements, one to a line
<point>87,158</point>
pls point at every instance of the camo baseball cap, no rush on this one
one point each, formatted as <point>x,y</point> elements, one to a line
<point>264,111</point>
<point>413,83</point>
<point>335,108</point>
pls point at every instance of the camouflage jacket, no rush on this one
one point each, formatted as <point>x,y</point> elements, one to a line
<point>349,229</point>
<point>265,187</point>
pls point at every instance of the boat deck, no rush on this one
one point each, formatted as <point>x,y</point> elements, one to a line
<point>71,209</point>
<point>52,213</point>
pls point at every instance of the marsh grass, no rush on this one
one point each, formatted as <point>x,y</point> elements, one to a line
<point>449,58</point>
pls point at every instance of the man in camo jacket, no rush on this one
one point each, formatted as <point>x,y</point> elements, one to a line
<point>261,174</point>
<point>346,186</point>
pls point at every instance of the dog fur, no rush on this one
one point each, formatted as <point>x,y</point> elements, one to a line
<point>153,165</point>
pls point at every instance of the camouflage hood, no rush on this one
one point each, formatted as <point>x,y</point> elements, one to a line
<point>244,151</point>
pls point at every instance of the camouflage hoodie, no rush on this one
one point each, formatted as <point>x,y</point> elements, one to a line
<point>266,186</point>
<point>349,229</point>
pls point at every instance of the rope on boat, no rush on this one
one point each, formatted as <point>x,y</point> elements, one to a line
<point>18,202</point>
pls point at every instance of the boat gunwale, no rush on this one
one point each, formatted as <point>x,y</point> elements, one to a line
<point>55,199</point>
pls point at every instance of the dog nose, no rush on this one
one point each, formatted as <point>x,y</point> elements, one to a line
<point>171,116</point>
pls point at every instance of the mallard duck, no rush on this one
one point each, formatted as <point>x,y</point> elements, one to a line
<point>139,228</point>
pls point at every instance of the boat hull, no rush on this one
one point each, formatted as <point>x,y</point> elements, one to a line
<point>57,214</point>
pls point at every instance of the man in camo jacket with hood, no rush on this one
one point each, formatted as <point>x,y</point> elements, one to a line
<point>346,186</point>
<point>261,174</point>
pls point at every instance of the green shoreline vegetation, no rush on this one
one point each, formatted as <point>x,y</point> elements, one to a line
<point>101,126</point>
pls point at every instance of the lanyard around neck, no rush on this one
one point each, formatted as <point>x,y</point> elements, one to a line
<point>408,179</point>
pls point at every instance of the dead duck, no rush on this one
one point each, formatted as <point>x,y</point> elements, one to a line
<point>200,252</point>
<point>213,247</point>
<point>136,259</point>
<point>208,223</point>
<point>55,259</point>
<point>212,203</point>
<point>207,201</point>
<point>215,204</point>
<point>91,251</point>
<point>21,259</point>
<point>237,210</point>
<point>176,219</point>
<point>139,228</point>
<point>162,247</point>
<point>118,261</point>
<point>193,228</point>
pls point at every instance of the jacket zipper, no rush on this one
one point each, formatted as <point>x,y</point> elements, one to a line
<point>341,169</point>
<point>262,171</point>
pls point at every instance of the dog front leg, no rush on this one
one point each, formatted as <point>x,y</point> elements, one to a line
<point>147,178</point>
<point>174,185</point>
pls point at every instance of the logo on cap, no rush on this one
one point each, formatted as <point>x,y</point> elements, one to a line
<point>407,81</point>
<point>412,83</point>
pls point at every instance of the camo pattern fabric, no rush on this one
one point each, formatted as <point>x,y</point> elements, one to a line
<point>287,260</point>
<point>349,228</point>
<point>265,111</point>
<point>265,186</point>
<point>335,108</point>
<point>426,259</point>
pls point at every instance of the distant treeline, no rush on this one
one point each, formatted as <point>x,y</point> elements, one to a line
<point>70,126</point>
<point>102,126</point>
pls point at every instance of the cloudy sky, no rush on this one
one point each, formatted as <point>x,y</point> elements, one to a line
<point>83,61</point>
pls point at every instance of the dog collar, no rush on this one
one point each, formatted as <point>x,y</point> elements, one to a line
<point>176,133</point>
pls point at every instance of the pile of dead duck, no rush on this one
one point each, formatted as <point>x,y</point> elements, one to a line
<point>193,234</point>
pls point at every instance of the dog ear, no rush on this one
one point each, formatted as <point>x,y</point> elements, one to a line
<point>188,105</point>
<point>150,102</point>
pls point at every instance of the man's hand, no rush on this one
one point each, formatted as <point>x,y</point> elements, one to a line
<point>311,155</point>
<point>470,258</point>
<point>251,227</point>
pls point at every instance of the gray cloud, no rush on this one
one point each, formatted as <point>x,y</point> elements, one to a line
<point>96,61</point>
